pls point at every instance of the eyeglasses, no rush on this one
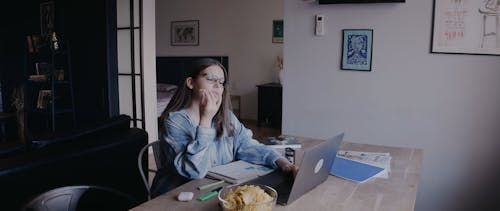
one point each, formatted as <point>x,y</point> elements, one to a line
<point>213,80</point>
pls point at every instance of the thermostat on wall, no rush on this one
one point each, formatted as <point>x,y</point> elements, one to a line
<point>320,25</point>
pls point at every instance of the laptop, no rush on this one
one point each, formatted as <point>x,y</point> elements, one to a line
<point>314,170</point>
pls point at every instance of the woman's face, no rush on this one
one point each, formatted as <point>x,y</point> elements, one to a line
<point>211,79</point>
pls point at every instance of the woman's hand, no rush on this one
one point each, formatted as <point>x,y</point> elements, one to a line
<point>209,105</point>
<point>286,166</point>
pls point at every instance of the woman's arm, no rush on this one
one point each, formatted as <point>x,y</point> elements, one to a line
<point>248,149</point>
<point>252,151</point>
<point>191,160</point>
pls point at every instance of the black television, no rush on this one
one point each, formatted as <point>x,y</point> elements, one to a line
<point>358,1</point>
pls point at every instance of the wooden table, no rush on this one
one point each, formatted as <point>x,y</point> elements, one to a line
<point>397,193</point>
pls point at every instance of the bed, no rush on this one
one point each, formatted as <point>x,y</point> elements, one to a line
<point>164,92</point>
<point>169,75</point>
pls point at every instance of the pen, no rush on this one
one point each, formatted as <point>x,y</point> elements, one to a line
<point>210,194</point>
<point>203,187</point>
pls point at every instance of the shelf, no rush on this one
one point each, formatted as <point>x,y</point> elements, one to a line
<point>48,81</point>
<point>37,84</point>
<point>44,89</point>
<point>48,111</point>
<point>45,51</point>
<point>61,82</point>
<point>60,52</point>
<point>63,111</point>
<point>37,81</point>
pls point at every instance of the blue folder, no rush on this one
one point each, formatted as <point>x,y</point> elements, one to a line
<point>353,170</point>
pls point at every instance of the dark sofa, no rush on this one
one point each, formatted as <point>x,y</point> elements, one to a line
<point>104,155</point>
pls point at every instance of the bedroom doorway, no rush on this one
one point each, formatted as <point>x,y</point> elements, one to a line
<point>136,63</point>
<point>247,41</point>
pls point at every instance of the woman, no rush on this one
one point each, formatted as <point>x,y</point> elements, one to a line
<point>201,132</point>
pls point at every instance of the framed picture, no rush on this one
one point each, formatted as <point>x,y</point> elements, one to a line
<point>357,49</point>
<point>185,33</point>
<point>43,99</point>
<point>277,31</point>
<point>466,27</point>
<point>47,13</point>
<point>43,68</point>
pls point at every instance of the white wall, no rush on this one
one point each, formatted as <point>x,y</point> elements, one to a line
<point>149,68</point>
<point>241,30</point>
<point>148,63</point>
<point>446,104</point>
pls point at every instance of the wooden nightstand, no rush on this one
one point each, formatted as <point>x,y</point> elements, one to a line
<point>269,105</point>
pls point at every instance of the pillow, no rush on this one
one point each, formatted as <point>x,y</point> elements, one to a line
<point>165,87</point>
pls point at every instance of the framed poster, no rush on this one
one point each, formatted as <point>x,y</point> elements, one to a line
<point>466,27</point>
<point>47,18</point>
<point>277,31</point>
<point>357,49</point>
<point>185,33</point>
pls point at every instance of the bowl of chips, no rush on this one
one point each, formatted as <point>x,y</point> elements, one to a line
<point>248,197</point>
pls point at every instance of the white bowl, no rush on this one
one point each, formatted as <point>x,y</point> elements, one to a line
<point>260,206</point>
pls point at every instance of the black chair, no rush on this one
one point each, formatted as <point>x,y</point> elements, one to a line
<point>81,198</point>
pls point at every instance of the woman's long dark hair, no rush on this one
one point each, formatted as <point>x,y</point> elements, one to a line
<point>183,97</point>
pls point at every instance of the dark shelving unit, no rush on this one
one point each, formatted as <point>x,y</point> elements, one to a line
<point>49,103</point>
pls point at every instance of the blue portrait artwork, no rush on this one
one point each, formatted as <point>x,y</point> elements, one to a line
<point>356,53</point>
<point>356,50</point>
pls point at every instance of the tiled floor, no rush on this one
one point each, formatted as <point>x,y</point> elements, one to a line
<point>259,133</point>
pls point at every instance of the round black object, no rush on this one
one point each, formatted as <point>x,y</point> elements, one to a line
<point>81,198</point>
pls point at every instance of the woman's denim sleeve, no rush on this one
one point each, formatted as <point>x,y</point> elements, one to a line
<point>250,150</point>
<point>191,160</point>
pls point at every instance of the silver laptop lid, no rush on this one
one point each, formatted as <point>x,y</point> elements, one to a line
<point>315,167</point>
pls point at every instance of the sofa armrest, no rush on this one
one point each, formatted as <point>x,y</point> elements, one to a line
<point>121,122</point>
<point>109,160</point>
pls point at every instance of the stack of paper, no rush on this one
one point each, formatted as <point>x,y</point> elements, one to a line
<point>238,171</point>
<point>282,142</point>
<point>361,166</point>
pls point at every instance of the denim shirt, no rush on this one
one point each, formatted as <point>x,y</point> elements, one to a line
<point>197,149</point>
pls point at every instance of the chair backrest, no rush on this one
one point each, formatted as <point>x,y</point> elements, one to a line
<point>72,198</point>
<point>140,161</point>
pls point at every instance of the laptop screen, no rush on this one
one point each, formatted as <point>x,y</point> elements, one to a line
<point>315,167</point>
